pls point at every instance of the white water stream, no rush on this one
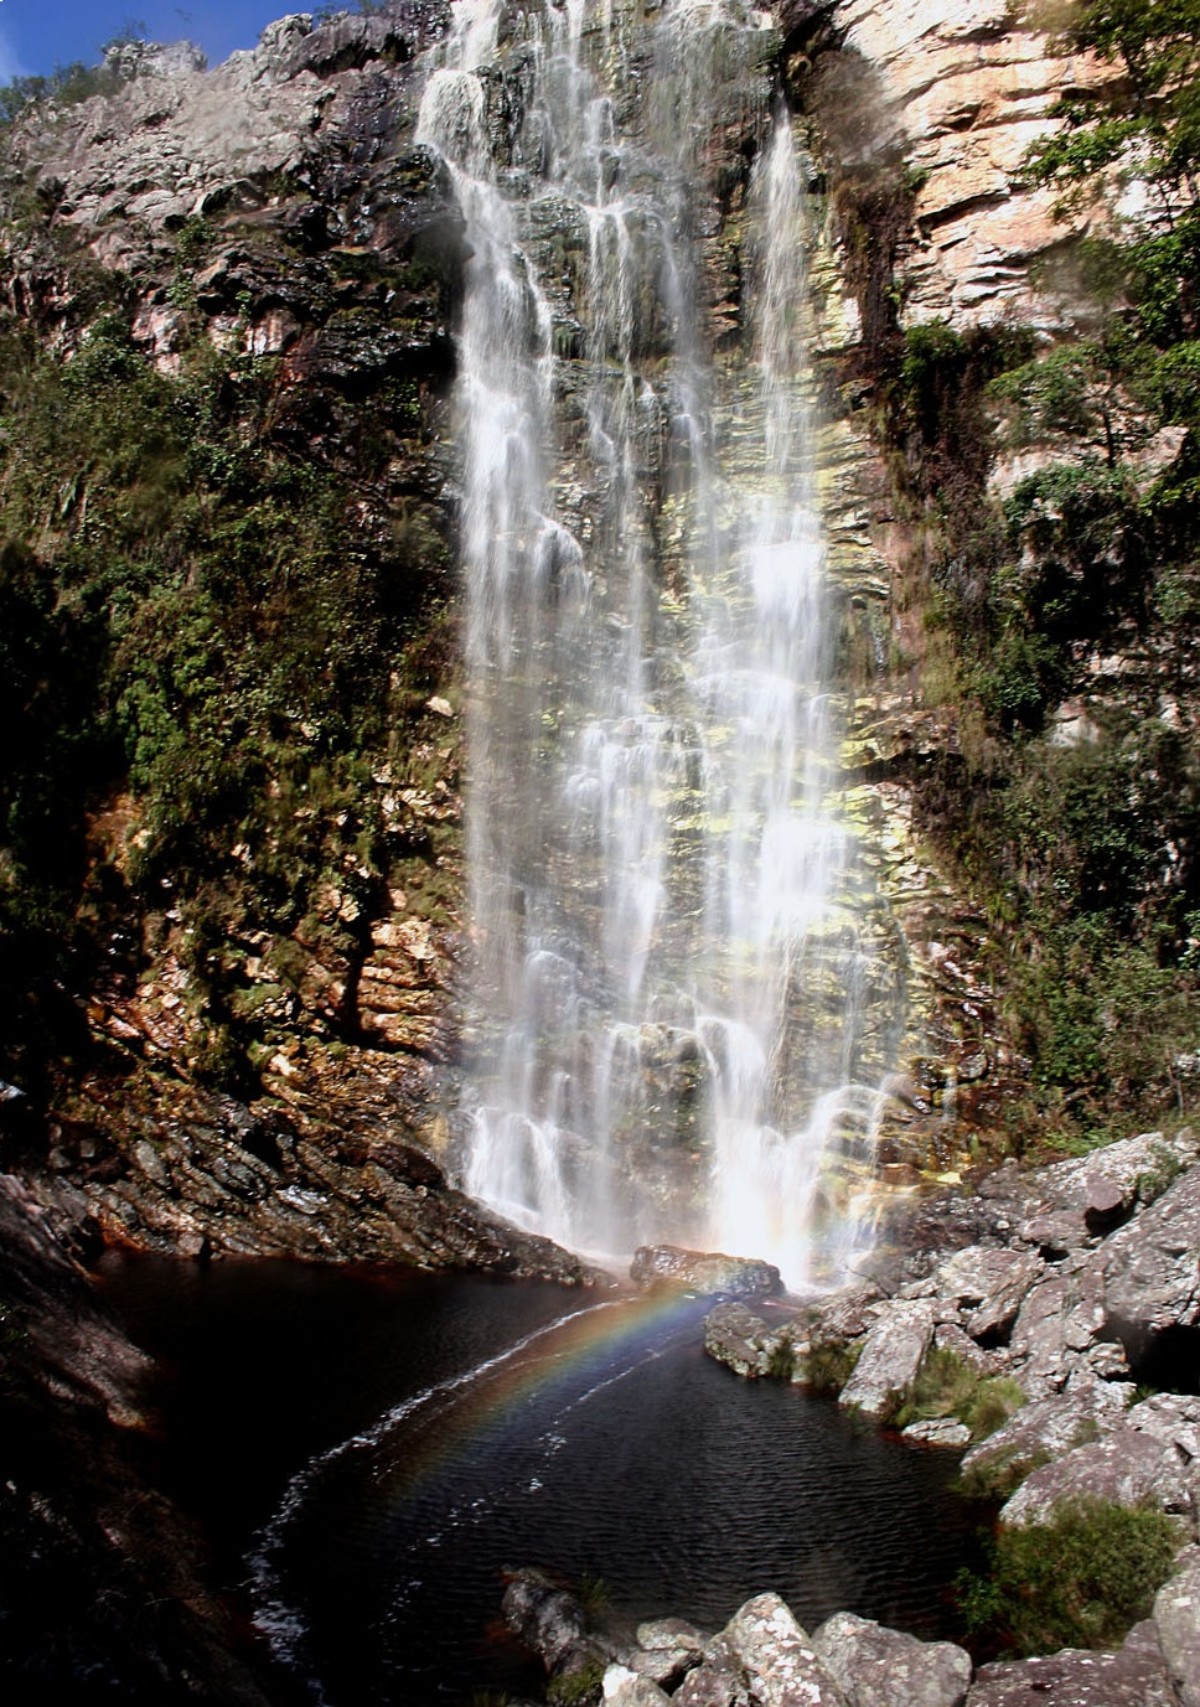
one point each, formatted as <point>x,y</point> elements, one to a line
<point>667,1001</point>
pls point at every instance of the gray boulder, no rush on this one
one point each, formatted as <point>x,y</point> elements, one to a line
<point>845,1315</point>
<point>988,1286</point>
<point>1129,1171</point>
<point>1060,1327</point>
<point>704,1272</point>
<point>948,1336</point>
<point>1150,1268</point>
<point>719,1682</point>
<point>1177,1620</point>
<point>938,1431</point>
<point>877,1667</point>
<point>1133,1676</point>
<point>624,1688</point>
<point>1046,1428</point>
<point>545,1617</point>
<point>891,1356</point>
<point>781,1666</point>
<point>744,1342</point>
<point>670,1633</point>
<point>1129,1467</point>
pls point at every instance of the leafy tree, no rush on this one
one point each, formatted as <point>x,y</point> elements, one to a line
<point>1143,123</point>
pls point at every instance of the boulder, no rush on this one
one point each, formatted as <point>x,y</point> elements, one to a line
<point>1059,1327</point>
<point>718,1682</point>
<point>1133,1676</point>
<point>845,1315</point>
<point>669,1633</point>
<point>666,1667</point>
<point>782,1667</point>
<point>547,1619</point>
<point>938,1431</point>
<point>1128,1467</point>
<point>1177,1620</point>
<point>948,1336</point>
<point>891,1357</point>
<point>1115,1177</point>
<point>988,1285</point>
<point>704,1272</point>
<point>624,1688</point>
<point>1150,1268</point>
<point>877,1667</point>
<point>1046,1428</point>
<point>743,1341</point>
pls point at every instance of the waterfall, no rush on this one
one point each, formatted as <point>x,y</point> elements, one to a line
<point>666,1019</point>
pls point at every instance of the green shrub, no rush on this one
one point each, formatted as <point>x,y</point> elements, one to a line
<point>947,1386</point>
<point>577,1688</point>
<point>993,1402</point>
<point>1079,1581</point>
<point>827,1368</point>
<point>781,1365</point>
<point>1000,1474</point>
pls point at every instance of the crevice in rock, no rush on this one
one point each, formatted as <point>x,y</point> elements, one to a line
<point>1168,1361</point>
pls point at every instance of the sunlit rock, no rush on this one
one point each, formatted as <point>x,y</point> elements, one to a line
<point>892,1354</point>
<point>704,1272</point>
<point>877,1667</point>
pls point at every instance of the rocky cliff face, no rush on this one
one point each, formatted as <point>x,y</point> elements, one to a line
<point>275,216</point>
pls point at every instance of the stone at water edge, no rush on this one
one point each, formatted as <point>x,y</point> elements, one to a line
<point>669,1633</point>
<point>624,1688</point>
<point>744,1342</point>
<point>893,1353</point>
<point>704,1271</point>
<point>782,1666</point>
<point>877,1667</point>
<point>546,1617</point>
<point>938,1431</point>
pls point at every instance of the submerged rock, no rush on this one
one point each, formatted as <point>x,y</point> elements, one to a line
<point>704,1271</point>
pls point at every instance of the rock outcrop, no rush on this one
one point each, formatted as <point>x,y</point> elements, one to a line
<point>1058,1326</point>
<point>878,1667</point>
<point>704,1271</point>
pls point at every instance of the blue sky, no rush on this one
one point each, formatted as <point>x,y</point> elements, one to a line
<point>36,35</point>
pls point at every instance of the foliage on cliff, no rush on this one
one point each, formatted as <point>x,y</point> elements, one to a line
<point>215,609</point>
<point>1062,617</point>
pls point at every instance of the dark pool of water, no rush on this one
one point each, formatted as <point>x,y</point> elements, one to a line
<point>370,1451</point>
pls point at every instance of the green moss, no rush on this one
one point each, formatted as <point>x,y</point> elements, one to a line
<point>579,1688</point>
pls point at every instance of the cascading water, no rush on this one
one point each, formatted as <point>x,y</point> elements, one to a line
<point>667,1012</point>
